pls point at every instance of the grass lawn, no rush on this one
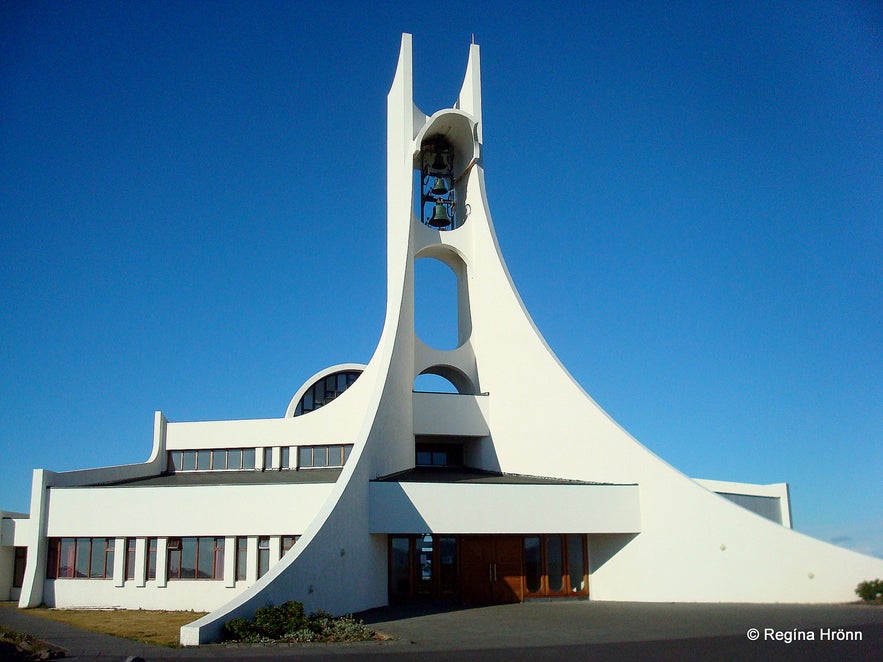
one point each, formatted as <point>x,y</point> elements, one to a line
<point>152,627</point>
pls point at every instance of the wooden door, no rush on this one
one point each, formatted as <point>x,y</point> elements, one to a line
<point>507,570</point>
<point>476,579</point>
<point>490,569</point>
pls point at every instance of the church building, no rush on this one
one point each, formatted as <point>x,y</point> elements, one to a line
<point>366,491</point>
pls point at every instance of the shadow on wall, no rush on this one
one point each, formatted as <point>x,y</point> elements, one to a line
<point>604,546</point>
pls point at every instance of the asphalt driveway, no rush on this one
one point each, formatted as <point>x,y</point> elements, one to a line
<point>539,631</point>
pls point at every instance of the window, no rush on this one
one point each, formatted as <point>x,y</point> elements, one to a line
<point>268,458</point>
<point>423,562</point>
<point>285,457</point>
<point>422,566</point>
<point>219,459</point>
<point>320,456</point>
<point>241,558</point>
<point>196,558</point>
<point>288,542</point>
<point>18,568</point>
<point>151,558</point>
<point>325,390</point>
<point>554,565</point>
<point>439,455</point>
<point>576,565</point>
<point>533,564</point>
<point>399,567</point>
<point>447,565</point>
<point>263,555</point>
<point>130,558</point>
<point>315,457</point>
<point>80,558</point>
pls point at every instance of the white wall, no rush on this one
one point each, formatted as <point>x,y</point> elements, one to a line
<point>14,530</point>
<point>180,595</point>
<point>451,414</point>
<point>7,560</point>
<point>205,510</point>
<point>500,508</point>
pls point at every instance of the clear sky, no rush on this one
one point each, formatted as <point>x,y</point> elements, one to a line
<point>688,195</point>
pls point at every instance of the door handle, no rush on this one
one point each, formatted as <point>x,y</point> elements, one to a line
<point>495,571</point>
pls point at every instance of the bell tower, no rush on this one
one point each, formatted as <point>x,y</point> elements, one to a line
<point>551,463</point>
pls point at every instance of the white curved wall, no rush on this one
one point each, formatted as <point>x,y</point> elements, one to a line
<point>535,404</point>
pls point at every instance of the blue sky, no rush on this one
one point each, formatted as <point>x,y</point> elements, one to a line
<point>688,196</point>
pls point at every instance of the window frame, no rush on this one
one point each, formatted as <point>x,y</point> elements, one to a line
<point>83,558</point>
<point>263,555</point>
<point>19,566</point>
<point>131,546</point>
<point>325,390</point>
<point>190,551</point>
<point>335,456</point>
<point>241,558</point>
<point>211,459</point>
<point>152,550</point>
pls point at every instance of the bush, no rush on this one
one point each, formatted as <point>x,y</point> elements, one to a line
<point>287,622</point>
<point>870,591</point>
<point>240,629</point>
<point>274,622</point>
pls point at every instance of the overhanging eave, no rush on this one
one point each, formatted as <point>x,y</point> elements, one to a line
<point>409,507</point>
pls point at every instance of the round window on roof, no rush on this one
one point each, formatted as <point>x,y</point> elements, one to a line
<point>325,390</point>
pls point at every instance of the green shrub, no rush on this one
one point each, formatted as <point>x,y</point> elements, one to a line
<point>287,622</point>
<point>870,591</point>
<point>346,628</point>
<point>274,622</point>
<point>240,629</point>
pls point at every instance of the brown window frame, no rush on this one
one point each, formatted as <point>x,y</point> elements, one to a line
<point>336,456</point>
<point>131,545</point>
<point>241,558</point>
<point>152,551</point>
<point>177,547</point>
<point>544,590</point>
<point>263,555</point>
<point>82,549</point>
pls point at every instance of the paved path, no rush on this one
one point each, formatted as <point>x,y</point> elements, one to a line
<point>540,631</point>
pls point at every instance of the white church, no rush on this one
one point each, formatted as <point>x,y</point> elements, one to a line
<point>366,492</point>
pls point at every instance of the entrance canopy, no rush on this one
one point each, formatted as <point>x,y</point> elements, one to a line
<point>502,504</point>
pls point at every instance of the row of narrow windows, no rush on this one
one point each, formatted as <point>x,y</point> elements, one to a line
<point>239,459</point>
<point>193,557</point>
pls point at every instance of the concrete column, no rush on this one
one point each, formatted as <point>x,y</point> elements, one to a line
<point>140,562</point>
<point>119,562</point>
<point>251,573</point>
<point>162,557</point>
<point>230,561</point>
